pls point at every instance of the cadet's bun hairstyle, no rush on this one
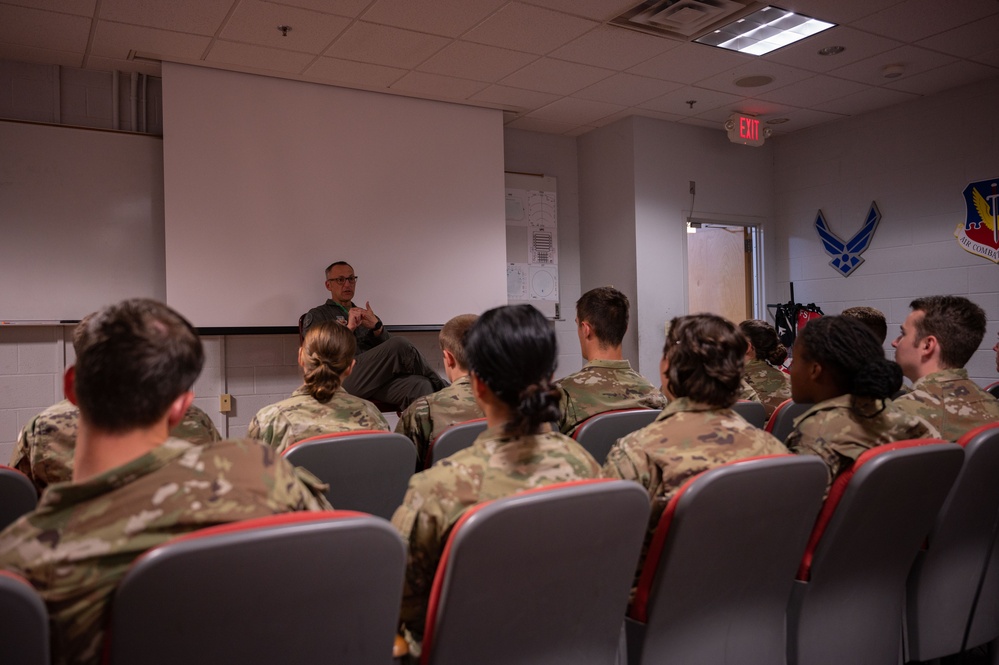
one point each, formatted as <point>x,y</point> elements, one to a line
<point>847,349</point>
<point>513,351</point>
<point>327,352</point>
<point>706,355</point>
<point>765,342</point>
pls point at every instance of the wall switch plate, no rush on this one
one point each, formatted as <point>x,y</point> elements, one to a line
<point>225,403</point>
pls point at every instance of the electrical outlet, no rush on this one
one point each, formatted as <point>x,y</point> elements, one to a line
<point>225,403</point>
<point>693,187</point>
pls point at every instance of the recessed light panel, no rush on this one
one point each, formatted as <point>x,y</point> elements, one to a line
<point>764,31</point>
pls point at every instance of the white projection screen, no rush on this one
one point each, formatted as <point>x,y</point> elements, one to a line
<point>267,181</point>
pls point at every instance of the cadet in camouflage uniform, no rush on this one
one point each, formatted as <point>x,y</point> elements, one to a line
<point>607,381</point>
<point>512,354</point>
<point>765,355</point>
<point>937,340</point>
<point>840,367</point>
<point>133,486</point>
<point>425,419</point>
<point>321,406</point>
<point>702,367</point>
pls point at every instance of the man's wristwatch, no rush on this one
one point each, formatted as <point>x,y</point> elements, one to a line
<point>378,326</point>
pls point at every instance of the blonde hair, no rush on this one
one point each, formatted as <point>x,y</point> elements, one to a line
<point>327,351</point>
<point>452,337</point>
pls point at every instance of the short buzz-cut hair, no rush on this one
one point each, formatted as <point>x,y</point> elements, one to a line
<point>326,273</point>
<point>606,310</point>
<point>870,317</point>
<point>956,322</point>
<point>452,337</point>
<point>139,357</point>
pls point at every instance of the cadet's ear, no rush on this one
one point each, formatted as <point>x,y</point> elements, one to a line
<point>69,384</point>
<point>178,408</point>
<point>449,360</point>
<point>347,371</point>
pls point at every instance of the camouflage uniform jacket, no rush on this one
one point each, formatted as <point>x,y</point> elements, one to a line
<point>951,402</point>
<point>603,385</point>
<point>686,439</point>
<point>496,465</point>
<point>839,433</point>
<point>44,450</point>
<point>301,416</point>
<point>79,542</point>
<point>746,391</point>
<point>425,419</point>
<point>772,386</point>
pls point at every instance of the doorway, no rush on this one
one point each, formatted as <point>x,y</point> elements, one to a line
<point>722,269</point>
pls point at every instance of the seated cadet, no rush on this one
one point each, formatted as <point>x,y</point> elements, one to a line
<point>135,487</point>
<point>44,450</point>
<point>320,405</point>
<point>425,419</point>
<point>937,340</point>
<point>841,368</point>
<point>388,368</point>
<point>607,381</point>
<point>765,355</point>
<point>870,317</point>
<point>511,357</point>
<point>702,368</point>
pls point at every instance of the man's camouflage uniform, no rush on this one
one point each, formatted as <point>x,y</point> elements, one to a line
<point>772,386</point>
<point>603,385</point>
<point>951,402</point>
<point>301,416</point>
<point>44,450</point>
<point>840,429</point>
<point>425,419</point>
<point>496,465</point>
<point>80,541</point>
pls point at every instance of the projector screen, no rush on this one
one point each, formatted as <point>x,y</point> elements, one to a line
<point>267,181</point>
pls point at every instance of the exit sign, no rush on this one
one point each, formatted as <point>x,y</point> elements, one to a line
<point>746,129</point>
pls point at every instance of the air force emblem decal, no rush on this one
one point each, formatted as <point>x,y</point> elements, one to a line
<point>846,255</point>
<point>979,232</point>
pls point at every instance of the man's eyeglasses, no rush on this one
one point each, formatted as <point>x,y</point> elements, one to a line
<point>340,280</point>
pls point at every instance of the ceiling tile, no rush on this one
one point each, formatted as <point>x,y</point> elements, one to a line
<point>988,58</point>
<point>476,61</point>
<point>442,17</point>
<point>436,86</point>
<point>40,56</point>
<point>943,78</point>
<point>913,20</point>
<point>813,92</point>
<point>349,72</point>
<point>115,40</point>
<point>77,7</point>
<point>555,76</point>
<point>838,11</point>
<point>614,48</point>
<point>202,17</point>
<point>753,107</point>
<point>913,59</point>
<point>384,45</point>
<point>688,63</point>
<point>539,125</point>
<point>701,122</point>
<point>44,30</point>
<point>579,131</point>
<point>250,56</point>
<point>527,28</point>
<point>626,89</point>
<point>350,8</point>
<point>513,97</point>
<point>658,115</point>
<point>575,111</point>
<point>858,45</point>
<point>801,118</point>
<point>868,100</point>
<point>677,101</point>
<point>256,22</point>
<point>147,67</point>
<point>968,40</point>
<point>598,10</point>
<point>781,74</point>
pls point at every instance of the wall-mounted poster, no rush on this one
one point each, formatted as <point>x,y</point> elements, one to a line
<point>979,232</point>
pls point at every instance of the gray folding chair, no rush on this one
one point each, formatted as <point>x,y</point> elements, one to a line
<point>993,389</point>
<point>753,412</point>
<point>305,587</point>
<point>17,495</point>
<point>781,422</point>
<point>367,471</point>
<point>24,623</point>
<point>598,433</point>
<point>454,438</point>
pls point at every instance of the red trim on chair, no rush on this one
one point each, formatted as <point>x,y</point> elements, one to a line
<point>773,416</point>
<point>836,492</point>
<point>640,604</point>
<point>332,435</point>
<point>580,426</point>
<point>15,576</point>
<point>965,438</point>
<point>435,590</point>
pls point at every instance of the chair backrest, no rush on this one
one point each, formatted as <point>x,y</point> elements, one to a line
<point>753,412</point>
<point>366,470</point>
<point>598,433</point>
<point>781,422</point>
<point>17,495</point>
<point>454,438</point>
<point>540,576</point>
<point>947,571</point>
<point>305,587</point>
<point>720,567</point>
<point>993,389</point>
<point>24,623</point>
<point>852,577</point>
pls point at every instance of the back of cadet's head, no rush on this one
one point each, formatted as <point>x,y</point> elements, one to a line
<point>706,355</point>
<point>956,322</point>
<point>453,335</point>
<point>606,310</point>
<point>763,337</point>
<point>852,355</point>
<point>513,350</point>
<point>870,317</point>
<point>139,356</point>
<point>80,334</point>
<point>327,352</point>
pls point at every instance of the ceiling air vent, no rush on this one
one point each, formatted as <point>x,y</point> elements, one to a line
<point>679,19</point>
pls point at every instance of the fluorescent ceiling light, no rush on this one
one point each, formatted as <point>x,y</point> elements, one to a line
<point>764,31</point>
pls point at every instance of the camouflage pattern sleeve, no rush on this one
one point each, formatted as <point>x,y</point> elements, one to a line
<point>196,427</point>
<point>415,424</point>
<point>20,457</point>
<point>807,439</point>
<point>628,461</point>
<point>747,392</point>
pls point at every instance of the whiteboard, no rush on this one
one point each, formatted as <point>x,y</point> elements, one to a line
<point>81,217</point>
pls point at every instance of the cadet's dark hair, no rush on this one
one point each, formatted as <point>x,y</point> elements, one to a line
<point>764,339</point>
<point>139,356</point>
<point>327,351</point>
<point>80,334</point>
<point>706,355</point>
<point>326,273</point>
<point>956,322</point>
<point>513,350</point>
<point>606,310</point>
<point>453,334</point>
<point>870,317</point>
<point>847,349</point>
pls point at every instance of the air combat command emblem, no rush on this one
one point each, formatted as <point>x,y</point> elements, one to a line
<point>979,232</point>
